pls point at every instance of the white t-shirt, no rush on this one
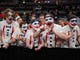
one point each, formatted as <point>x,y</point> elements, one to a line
<point>56,28</point>
<point>67,28</point>
<point>7,31</point>
<point>19,32</point>
<point>2,23</point>
<point>35,41</point>
<point>51,38</point>
<point>16,32</point>
<point>29,33</point>
<point>16,24</point>
<point>72,41</point>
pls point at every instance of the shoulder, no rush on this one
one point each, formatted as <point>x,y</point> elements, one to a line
<point>65,27</point>
<point>77,27</point>
<point>2,22</point>
<point>15,22</point>
<point>57,27</point>
<point>30,32</point>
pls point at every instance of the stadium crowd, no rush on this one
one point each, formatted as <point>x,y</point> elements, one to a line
<point>36,31</point>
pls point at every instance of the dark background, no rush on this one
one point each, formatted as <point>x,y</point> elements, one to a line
<point>20,53</point>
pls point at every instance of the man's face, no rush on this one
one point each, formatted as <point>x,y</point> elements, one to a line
<point>35,25</point>
<point>61,22</point>
<point>49,21</point>
<point>42,18</point>
<point>19,20</point>
<point>9,19</point>
<point>73,22</point>
<point>24,28</point>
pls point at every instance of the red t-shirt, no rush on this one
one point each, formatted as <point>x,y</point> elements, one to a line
<point>1,16</point>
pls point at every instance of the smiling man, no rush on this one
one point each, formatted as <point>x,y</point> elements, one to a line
<point>71,27</point>
<point>7,29</point>
<point>52,32</point>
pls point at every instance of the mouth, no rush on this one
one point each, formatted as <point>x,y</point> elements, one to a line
<point>73,24</point>
<point>10,19</point>
<point>49,23</point>
<point>25,30</point>
<point>36,27</point>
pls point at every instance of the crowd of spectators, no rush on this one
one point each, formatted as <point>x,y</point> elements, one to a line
<point>58,11</point>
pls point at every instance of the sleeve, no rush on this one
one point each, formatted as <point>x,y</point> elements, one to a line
<point>58,28</point>
<point>63,29</point>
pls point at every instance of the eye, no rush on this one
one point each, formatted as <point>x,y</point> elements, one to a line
<point>24,27</point>
<point>10,17</point>
<point>75,20</point>
<point>46,19</point>
<point>35,23</point>
<point>72,20</point>
<point>50,19</point>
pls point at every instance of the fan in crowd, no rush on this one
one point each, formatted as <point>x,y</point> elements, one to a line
<point>42,31</point>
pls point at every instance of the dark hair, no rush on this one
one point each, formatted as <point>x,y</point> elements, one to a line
<point>41,14</point>
<point>50,15</point>
<point>71,17</point>
<point>61,19</point>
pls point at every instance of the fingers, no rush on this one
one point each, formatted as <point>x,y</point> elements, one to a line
<point>19,37</point>
<point>5,46</point>
<point>41,27</point>
<point>36,49</point>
